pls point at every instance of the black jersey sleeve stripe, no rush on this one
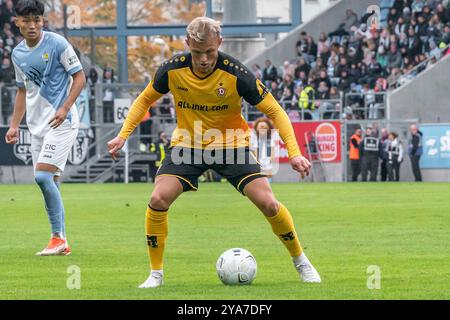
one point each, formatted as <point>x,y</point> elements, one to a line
<point>161,80</point>
<point>248,87</point>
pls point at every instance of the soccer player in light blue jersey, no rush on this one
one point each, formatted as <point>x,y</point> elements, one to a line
<point>49,78</point>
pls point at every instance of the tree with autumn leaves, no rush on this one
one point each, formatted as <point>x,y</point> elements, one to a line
<point>145,54</point>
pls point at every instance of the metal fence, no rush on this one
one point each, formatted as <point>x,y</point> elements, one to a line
<point>365,106</point>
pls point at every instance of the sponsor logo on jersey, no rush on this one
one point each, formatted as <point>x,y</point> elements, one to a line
<point>182,88</point>
<point>22,150</point>
<point>72,60</point>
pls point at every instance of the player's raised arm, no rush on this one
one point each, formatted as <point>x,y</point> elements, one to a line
<point>137,112</point>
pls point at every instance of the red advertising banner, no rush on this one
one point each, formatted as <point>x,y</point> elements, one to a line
<point>323,137</point>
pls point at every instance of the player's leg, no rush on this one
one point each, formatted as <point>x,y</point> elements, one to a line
<point>171,181</point>
<point>167,190</point>
<point>44,177</point>
<point>280,219</point>
<point>373,169</point>
<point>51,161</point>
<point>364,169</point>
<point>57,181</point>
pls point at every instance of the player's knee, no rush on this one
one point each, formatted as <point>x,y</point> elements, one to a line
<point>159,202</point>
<point>44,179</point>
<point>270,207</point>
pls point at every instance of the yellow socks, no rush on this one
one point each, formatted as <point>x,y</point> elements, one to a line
<point>156,228</point>
<point>283,227</point>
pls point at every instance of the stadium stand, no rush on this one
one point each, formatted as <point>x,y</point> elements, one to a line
<point>359,59</point>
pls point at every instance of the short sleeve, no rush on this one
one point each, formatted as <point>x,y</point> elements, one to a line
<point>69,58</point>
<point>161,80</point>
<point>20,77</point>
<point>251,89</point>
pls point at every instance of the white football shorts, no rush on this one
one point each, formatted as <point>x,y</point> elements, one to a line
<point>55,147</point>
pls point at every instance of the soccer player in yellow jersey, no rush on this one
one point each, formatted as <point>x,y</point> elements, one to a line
<point>208,87</point>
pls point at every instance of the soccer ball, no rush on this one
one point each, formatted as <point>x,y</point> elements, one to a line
<point>236,267</point>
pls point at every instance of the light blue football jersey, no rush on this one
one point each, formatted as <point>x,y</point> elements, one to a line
<point>45,71</point>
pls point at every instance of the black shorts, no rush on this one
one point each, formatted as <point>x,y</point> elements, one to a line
<point>238,166</point>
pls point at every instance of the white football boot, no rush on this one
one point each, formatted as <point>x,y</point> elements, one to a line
<point>306,270</point>
<point>156,279</point>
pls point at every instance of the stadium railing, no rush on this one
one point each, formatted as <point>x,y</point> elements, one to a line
<point>365,106</point>
<point>329,109</point>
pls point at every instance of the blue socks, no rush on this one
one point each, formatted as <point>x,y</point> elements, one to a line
<point>53,201</point>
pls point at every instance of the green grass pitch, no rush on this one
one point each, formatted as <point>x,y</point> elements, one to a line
<point>345,228</point>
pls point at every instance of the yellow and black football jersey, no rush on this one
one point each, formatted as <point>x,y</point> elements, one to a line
<point>210,103</point>
<point>209,109</point>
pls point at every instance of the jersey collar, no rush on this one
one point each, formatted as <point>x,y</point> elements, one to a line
<point>38,44</point>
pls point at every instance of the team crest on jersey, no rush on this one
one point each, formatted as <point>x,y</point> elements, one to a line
<point>221,91</point>
<point>22,149</point>
<point>45,57</point>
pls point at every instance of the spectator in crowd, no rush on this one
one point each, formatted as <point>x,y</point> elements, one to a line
<point>370,151</point>
<point>264,143</point>
<point>108,95</point>
<point>288,69</point>
<point>92,80</point>
<point>275,90</point>
<point>310,50</point>
<point>7,70</point>
<point>287,99</point>
<point>355,159</point>
<point>323,91</point>
<point>270,73</point>
<point>414,43</point>
<point>307,102</point>
<point>394,57</point>
<point>323,41</point>
<point>415,150</point>
<point>302,65</point>
<point>161,147</point>
<point>256,70</point>
<point>384,156</point>
<point>394,152</point>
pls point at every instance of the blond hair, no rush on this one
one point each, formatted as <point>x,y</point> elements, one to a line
<point>201,28</point>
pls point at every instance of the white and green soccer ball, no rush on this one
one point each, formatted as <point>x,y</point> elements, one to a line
<point>236,266</point>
